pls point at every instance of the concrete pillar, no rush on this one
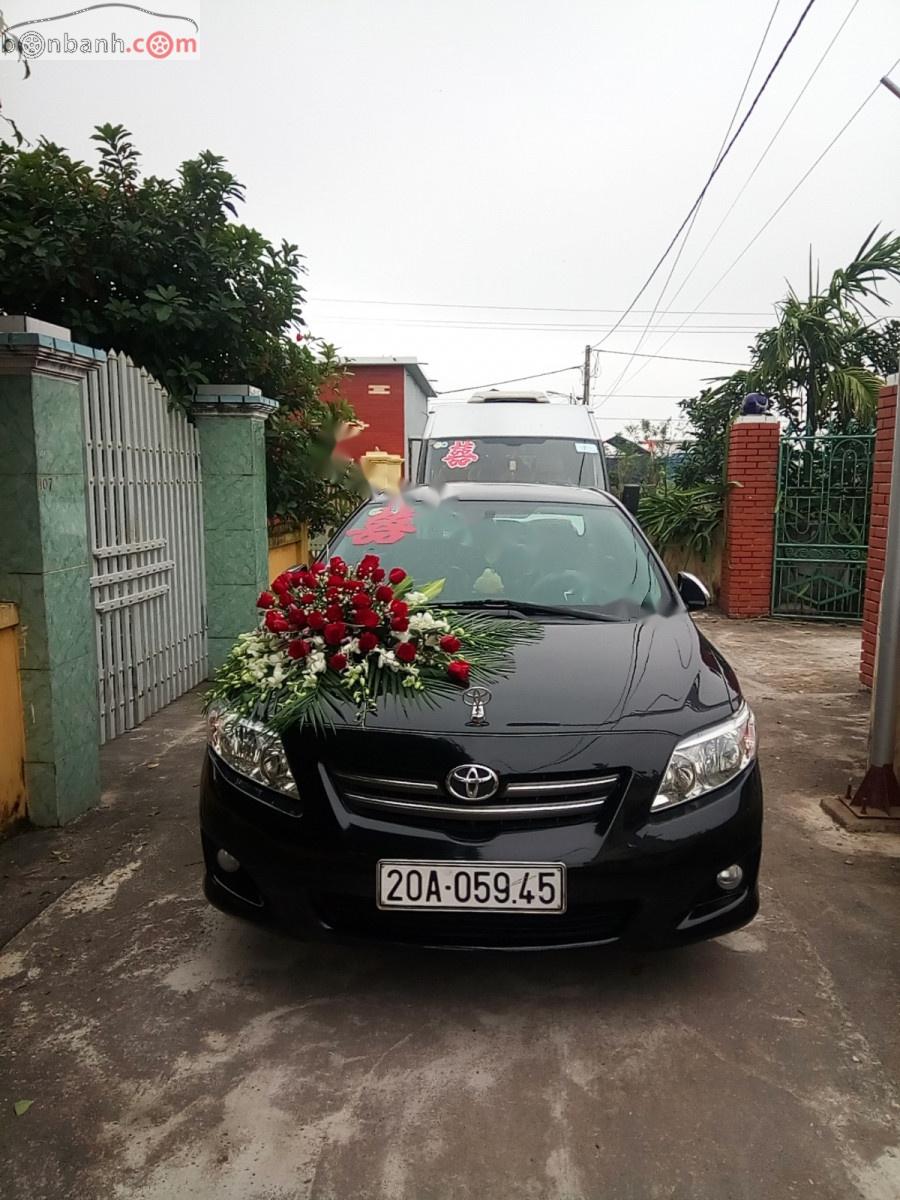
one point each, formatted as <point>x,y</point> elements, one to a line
<point>231,424</point>
<point>881,487</point>
<point>752,476</point>
<point>45,562</point>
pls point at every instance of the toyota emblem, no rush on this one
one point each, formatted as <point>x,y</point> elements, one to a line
<point>473,782</point>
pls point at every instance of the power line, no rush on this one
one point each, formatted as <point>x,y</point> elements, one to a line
<point>803,178</point>
<point>472,387</point>
<point>737,133</point>
<point>696,213</point>
<point>514,307</point>
<point>528,326</point>
<point>765,152</point>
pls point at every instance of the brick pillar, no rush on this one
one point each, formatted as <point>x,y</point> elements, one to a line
<point>750,517</point>
<point>45,562</point>
<point>881,486</point>
<point>231,423</point>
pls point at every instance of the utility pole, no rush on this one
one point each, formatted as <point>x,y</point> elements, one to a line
<point>586,388</point>
<point>879,788</point>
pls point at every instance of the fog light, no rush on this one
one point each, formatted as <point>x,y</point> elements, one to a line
<point>229,863</point>
<point>728,880</point>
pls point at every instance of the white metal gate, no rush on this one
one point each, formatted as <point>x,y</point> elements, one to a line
<point>146,524</point>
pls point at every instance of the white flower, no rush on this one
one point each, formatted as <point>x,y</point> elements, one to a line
<point>414,598</point>
<point>316,662</point>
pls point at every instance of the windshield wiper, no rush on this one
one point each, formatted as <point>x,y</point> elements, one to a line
<point>527,609</point>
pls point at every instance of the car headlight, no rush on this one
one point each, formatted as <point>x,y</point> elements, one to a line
<point>707,760</point>
<point>250,748</point>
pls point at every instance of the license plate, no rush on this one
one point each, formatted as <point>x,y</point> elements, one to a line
<point>489,887</point>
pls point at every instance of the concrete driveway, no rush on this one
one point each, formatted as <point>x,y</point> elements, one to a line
<point>174,1054</point>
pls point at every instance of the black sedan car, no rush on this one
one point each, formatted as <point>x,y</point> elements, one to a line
<point>605,790</point>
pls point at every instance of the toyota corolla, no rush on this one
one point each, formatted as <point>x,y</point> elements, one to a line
<point>604,789</point>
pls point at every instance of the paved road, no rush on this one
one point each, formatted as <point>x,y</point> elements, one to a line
<point>173,1054</point>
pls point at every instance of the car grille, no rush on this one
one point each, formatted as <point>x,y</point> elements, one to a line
<point>582,924</point>
<point>529,800</point>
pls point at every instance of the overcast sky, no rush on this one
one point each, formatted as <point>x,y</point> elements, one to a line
<point>461,174</point>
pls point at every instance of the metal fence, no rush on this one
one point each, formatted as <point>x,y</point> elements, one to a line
<point>146,527</point>
<point>822,525</point>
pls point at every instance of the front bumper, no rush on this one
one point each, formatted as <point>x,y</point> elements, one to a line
<point>648,883</point>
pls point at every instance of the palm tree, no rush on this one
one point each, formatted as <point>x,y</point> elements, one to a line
<point>816,356</point>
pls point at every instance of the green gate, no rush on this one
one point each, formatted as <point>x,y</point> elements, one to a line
<point>822,526</point>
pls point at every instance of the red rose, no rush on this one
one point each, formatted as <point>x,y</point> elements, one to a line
<point>378,574</point>
<point>282,583</point>
<point>361,600</point>
<point>338,566</point>
<point>308,598</point>
<point>335,632</point>
<point>367,565</point>
<point>384,593</point>
<point>317,568</point>
<point>298,648</point>
<point>406,652</point>
<point>337,662</point>
<point>401,624</point>
<point>296,616</point>
<point>276,622</point>
<point>399,608</point>
<point>315,619</point>
<point>301,578</point>
<point>397,575</point>
<point>266,600</point>
<point>334,612</point>
<point>449,644</point>
<point>458,670</point>
<point>332,593</point>
<point>368,617</point>
<point>368,641</point>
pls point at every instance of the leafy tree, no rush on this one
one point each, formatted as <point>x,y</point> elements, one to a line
<point>822,363</point>
<point>163,270</point>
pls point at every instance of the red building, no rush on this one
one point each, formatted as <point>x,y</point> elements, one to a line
<point>390,396</point>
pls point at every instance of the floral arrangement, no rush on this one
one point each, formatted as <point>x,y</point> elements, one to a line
<point>334,635</point>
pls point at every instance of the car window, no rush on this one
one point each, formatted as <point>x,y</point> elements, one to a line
<point>568,554</point>
<point>558,461</point>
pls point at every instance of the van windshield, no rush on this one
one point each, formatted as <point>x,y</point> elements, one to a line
<point>506,459</point>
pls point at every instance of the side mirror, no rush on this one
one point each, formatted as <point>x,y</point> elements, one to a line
<point>693,592</point>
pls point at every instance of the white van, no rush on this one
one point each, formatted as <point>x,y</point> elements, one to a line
<point>510,437</point>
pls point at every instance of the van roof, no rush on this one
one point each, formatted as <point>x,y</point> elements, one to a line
<point>450,419</point>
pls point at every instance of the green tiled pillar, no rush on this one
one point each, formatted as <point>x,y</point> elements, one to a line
<point>45,562</point>
<point>231,423</point>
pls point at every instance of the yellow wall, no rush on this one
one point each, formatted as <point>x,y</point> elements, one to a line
<point>12,727</point>
<point>382,470</point>
<point>288,549</point>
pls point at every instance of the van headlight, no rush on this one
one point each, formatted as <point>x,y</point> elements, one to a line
<point>250,748</point>
<point>705,761</point>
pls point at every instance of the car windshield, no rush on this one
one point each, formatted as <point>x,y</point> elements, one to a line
<point>586,556</point>
<point>557,461</point>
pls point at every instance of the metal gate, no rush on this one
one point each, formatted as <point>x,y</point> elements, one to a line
<point>822,525</point>
<point>146,526</point>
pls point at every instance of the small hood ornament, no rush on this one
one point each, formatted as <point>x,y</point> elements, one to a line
<point>478,697</point>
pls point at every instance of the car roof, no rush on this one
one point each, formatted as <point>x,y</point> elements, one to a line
<point>518,493</point>
<point>451,419</point>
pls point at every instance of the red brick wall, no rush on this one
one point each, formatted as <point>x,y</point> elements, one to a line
<point>383,414</point>
<point>881,486</point>
<point>750,517</point>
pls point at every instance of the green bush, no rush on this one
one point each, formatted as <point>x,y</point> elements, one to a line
<point>688,517</point>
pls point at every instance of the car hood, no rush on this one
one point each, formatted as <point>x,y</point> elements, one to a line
<point>659,674</point>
